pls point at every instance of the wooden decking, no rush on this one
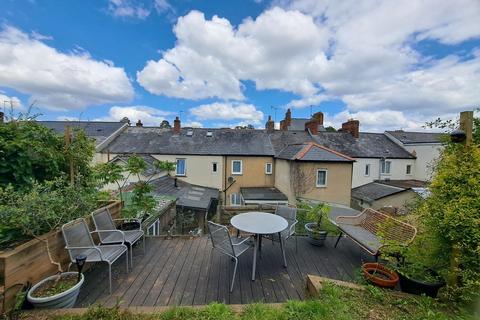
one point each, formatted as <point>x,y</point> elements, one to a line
<point>187,272</point>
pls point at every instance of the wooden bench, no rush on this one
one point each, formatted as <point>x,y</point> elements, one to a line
<point>372,230</point>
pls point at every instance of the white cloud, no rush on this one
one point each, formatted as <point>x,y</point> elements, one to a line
<point>148,115</point>
<point>361,52</point>
<point>128,9</point>
<point>138,9</point>
<point>56,80</point>
<point>212,57</point>
<point>193,124</point>
<point>8,103</point>
<point>247,113</point>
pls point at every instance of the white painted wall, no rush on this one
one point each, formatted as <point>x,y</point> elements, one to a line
<point>398,169</point>
<point>198,169</point>
<point>426,154</point>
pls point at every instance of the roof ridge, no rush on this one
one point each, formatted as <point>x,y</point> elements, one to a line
<point>331,150</point>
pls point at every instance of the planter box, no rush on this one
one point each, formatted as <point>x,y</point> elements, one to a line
<point>30,261</point>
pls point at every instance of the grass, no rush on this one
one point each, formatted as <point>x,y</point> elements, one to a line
<point>334,303</point>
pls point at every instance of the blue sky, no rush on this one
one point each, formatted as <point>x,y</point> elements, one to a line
<point>223,63</point>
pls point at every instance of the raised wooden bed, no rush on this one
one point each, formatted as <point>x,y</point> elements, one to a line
<point>30,261</point>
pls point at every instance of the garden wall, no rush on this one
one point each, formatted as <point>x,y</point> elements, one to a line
<point>30,261</point>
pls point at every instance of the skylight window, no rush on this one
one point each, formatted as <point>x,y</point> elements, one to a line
<point>189,132</point>
<point>209,133</point>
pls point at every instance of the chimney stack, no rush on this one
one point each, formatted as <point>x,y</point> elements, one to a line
<point>284,124</point>
<point>270,125</point>
<point>319,117</point>
<point>352,126</point>
<point>139,123</point>
<point>176,125</point>
<point>314,123</point>
<point>2,117</point>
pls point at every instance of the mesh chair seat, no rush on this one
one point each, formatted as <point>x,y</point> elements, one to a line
<point>78,240</point>
<point>108,233</point>
<point>232,247</point>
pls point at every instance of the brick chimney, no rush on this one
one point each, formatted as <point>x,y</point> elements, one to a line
<point>139,123</point>
<point>284,124</point>
<point>176,125</point>
<point>2,117</point>
<point>270,125</point>
<point>312,125</point>
<point>352,126</point>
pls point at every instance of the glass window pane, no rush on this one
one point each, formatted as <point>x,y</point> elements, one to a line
<point>181,167</point>
<point>237,166</point>
<point>321,177</point>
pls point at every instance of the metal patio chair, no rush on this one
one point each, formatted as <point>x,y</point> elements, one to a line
<point>222,242</point>
<point>78,240</point>
<point>289,214</point>
<point>108,232</point>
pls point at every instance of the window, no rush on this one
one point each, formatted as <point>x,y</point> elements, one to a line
<point>268,168</point>
<point>235,199</point>
<point>367,170</point>
<point>321,177</point>
<point>237,167</point>
<point>214,167</point>
<point>181,167</point>
<point>386,166</point>
<point>409,169</point>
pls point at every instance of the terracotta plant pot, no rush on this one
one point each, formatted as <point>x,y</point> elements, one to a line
<point>379,275</point>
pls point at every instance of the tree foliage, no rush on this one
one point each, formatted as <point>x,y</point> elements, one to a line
<point>30,152</point>
<point>451,216</point>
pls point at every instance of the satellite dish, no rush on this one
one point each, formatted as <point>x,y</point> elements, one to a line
<point>230,180</point>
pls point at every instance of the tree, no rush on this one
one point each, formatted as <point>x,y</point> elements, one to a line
<point>330,129</point>
<point>31,152</point>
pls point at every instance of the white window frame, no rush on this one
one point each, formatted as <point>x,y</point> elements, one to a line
<point>406,169</point>
<point>241,167</point>
<point>214,165</point>
<point>184,168</point>
<point>326,178</point>
<point>365,170</point>
<point>383,167</point>
<point>266,168</point>
<point>238,198</point>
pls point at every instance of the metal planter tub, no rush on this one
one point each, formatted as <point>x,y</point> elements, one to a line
<point>317,238</point>
<point>61,300</point>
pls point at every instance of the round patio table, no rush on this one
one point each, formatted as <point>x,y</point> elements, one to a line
<point>260,223</point>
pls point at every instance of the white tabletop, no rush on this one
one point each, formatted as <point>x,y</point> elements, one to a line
<point>259,222</point>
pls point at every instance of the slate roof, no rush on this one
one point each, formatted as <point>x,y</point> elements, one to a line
<point>374,190</point>
<point>311,152</point>
<point>164,141</point>
<point>262,194</point>
<point>153,140</point>
<point>99,130</point>
<point>409,183</point>
<point>150,169</point>
<point>408,137</point>
<point>188,195</point>
<point>367,145</point>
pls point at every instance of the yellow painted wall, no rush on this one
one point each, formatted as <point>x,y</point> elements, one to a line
<point>253,173</point>
<point>339,181</point>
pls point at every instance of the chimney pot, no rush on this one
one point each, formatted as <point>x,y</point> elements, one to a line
<point>176,125</point>
<point>139,123</point>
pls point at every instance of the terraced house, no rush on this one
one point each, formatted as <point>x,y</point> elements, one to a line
<point>301,160</point>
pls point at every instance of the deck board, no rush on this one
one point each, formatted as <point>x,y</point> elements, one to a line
<point>183,271</point>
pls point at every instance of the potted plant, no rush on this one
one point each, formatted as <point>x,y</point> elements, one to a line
<point>380,275</point>
<point>58,291</point>
<point>315,229</point>
<point>419,279</point>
